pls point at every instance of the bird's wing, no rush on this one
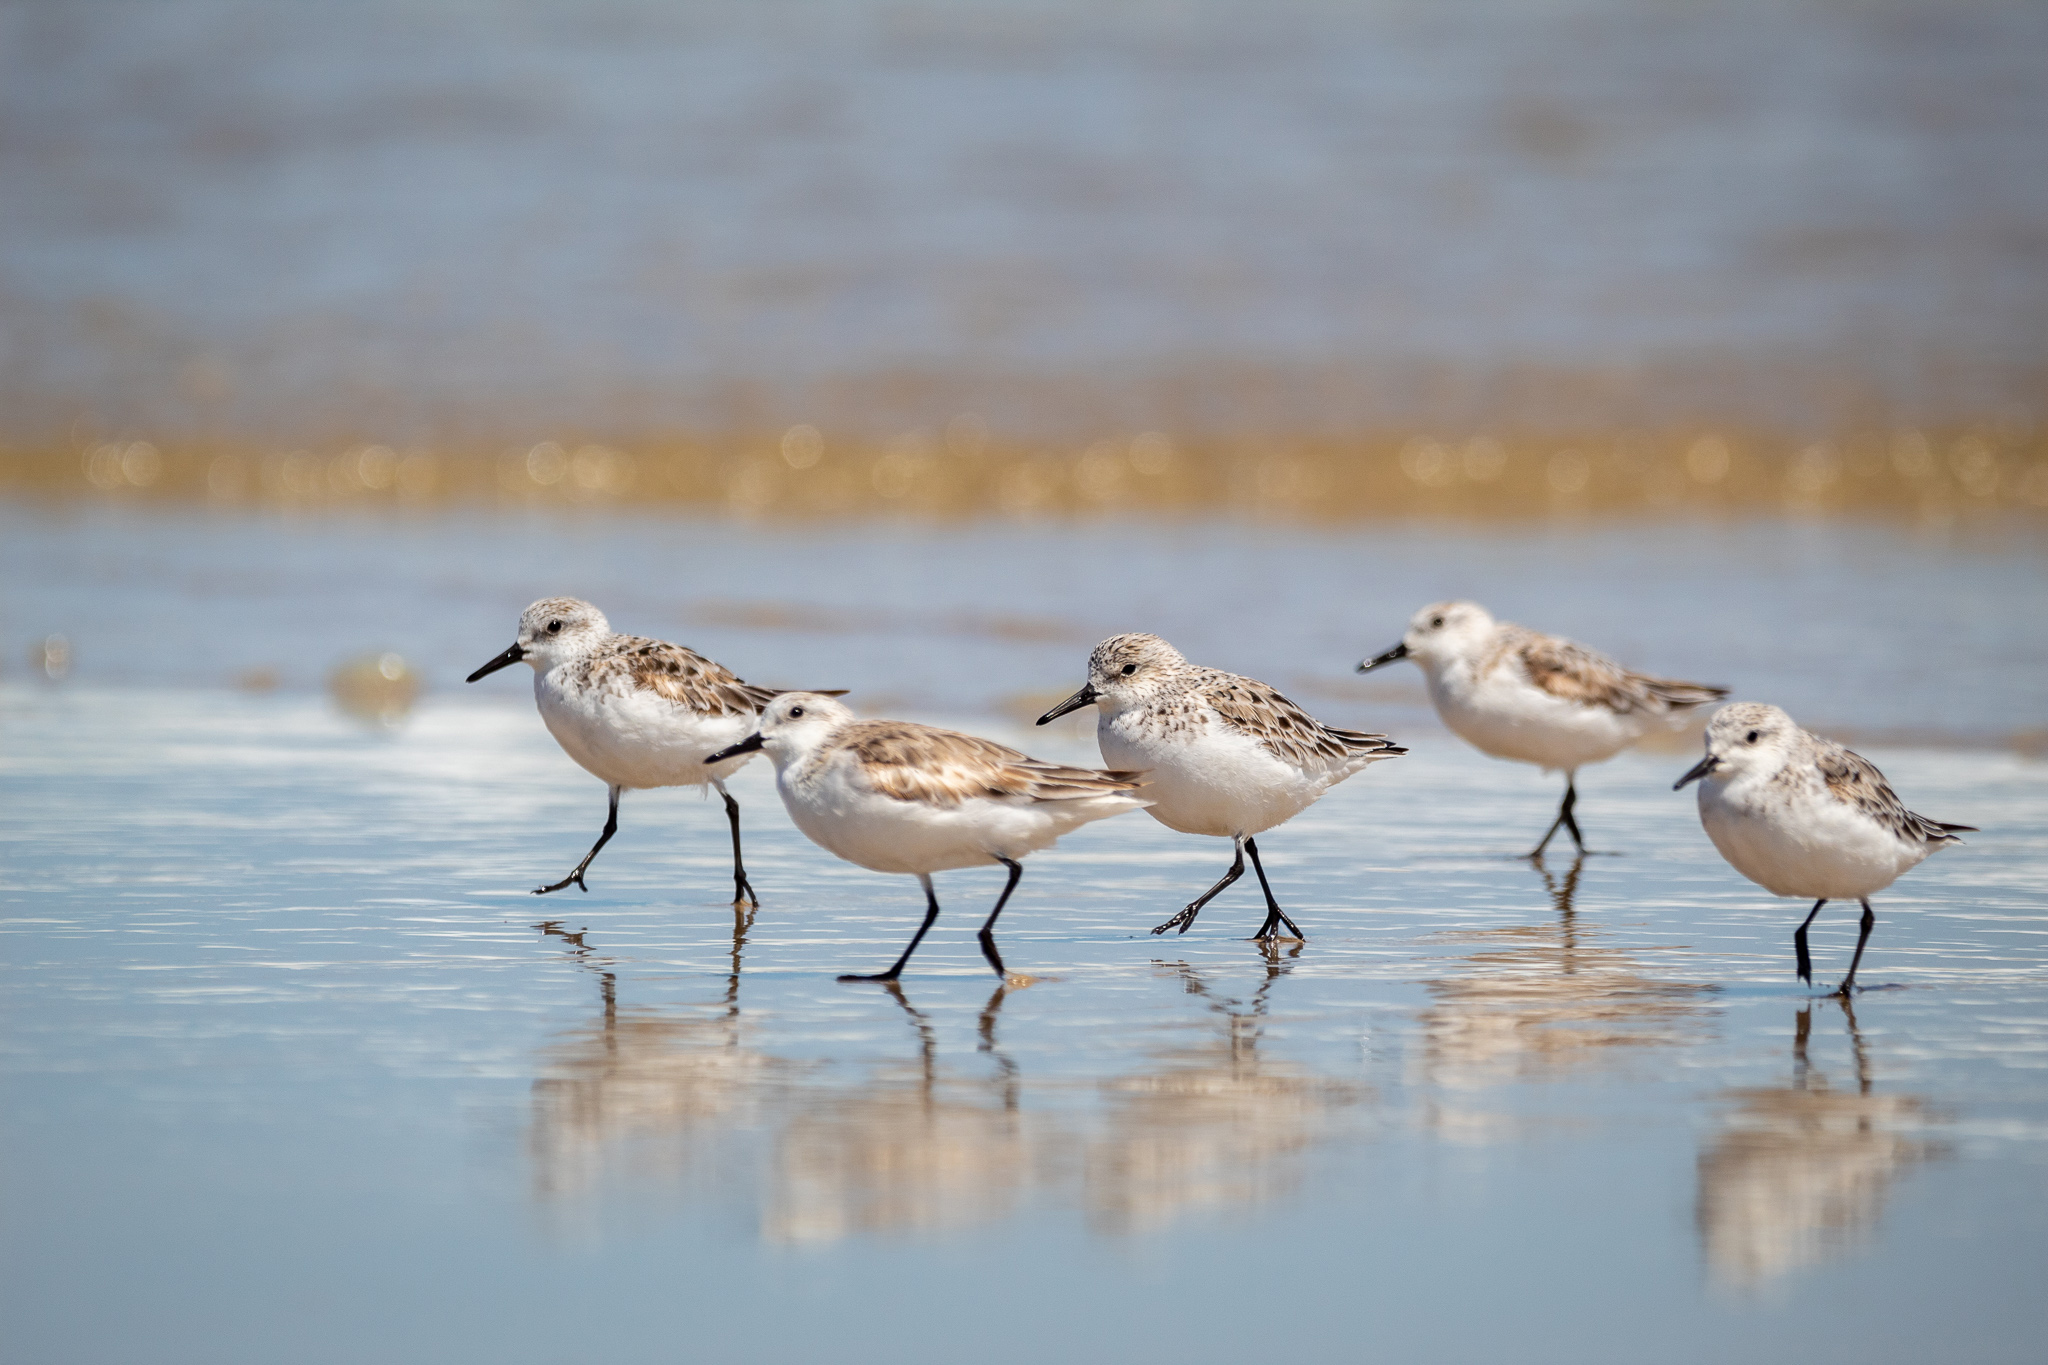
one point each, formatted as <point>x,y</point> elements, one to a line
<point>1254,709</point>
<point>1567,669</point>
<point>944,767</point>
<point>1855,781</point>
<point>687,678</point>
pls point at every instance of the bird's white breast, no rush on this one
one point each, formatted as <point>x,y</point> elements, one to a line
<point>843,815</point>
<point>1798,841</point>
<point>631,737</point>
<point>1205,778</point>
<point>1503,714</point>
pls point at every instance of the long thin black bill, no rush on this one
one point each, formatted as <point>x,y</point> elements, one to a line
<point>746,746</point>
<point>1397,652</point>
<point>1087,696</point>
<point>505,660</point>
<point>1698,771</point>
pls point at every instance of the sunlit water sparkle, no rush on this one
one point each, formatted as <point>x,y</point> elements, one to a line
<point>286,1051</point>
<point>290,1069</point>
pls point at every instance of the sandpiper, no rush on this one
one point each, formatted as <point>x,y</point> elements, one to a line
<point>1518,694</point>
<point>894,796</point>
<point>634,712</point>
<point>1802,816</point>
<point>1221,754</point>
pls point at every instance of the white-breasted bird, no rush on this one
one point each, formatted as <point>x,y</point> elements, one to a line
<point>895,796</point>
<point>1222,755</point>
<point>1802,816</point>
<point>1521,695</point>
<point>634,712</point>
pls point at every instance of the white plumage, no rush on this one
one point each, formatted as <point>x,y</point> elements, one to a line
<point>1802,816</point>
<point>1521,695</point>
<point>894,796</point>
<point>1222,755</point>
<point>633,712</point>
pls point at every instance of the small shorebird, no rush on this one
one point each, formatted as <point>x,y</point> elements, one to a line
<point>1802,816</point>
<point>1521,695</point>
<point>634,712</point>
<point>893,796</point>
<point>1221,754</point>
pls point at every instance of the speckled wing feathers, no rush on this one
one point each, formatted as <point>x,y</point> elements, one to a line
<point>681,675</point>
<point>1289,733</point>
<point>1576,673</point>
<point>1855,781</point>
<point>920,763</point>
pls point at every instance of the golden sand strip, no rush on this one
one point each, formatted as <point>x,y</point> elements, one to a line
<point>963,470</point>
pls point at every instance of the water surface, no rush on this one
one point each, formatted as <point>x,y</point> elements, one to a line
<point>294,1066</point>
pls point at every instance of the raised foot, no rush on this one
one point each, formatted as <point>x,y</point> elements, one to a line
<point>1181,921</point>
<point>574,879</point>
<point>875,976</point>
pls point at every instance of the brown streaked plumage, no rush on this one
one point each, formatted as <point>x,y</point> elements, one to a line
<point>1855,781</point>
<point>679,674</point>
<point>913,762</point>
<point>1290,734</point>
<point>1564,668</point>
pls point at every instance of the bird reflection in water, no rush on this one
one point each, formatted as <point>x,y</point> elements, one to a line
<point>1542,1002</point>
<point>1799,1175</point>
<point>912,1148</point>
<point>919,1144</point>
<point>689,1101</point>
<point>646,1082</point>
<point>1215,1124</point>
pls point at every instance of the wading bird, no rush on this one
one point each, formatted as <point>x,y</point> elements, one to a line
<point>1802,816</point>
<point>1532,698</point>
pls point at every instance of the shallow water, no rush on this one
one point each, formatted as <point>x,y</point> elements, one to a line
<point>292,1066</point>
<point>1855,627</point>
<point>292,1057</point>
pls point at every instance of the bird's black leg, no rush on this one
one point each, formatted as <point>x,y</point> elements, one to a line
<point>931,913</point>
<point>1275,916</point>
<point>1186,917</point>
<point>1564,812</point>
<point>1799,942</point>
<point>742,889</point>
<point>988,929</point>
<point>1564,820</point>
<point>1862,937</point>
<point>611,827</point>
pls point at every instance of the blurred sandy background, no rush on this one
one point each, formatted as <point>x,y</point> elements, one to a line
<point>1032,256</point>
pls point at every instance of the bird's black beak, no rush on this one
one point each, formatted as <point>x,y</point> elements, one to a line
<point>1087,696</point>
<point>751,744</point>
<point>1397,652</point>
<point>1698,771</point>
<point>505,660</point>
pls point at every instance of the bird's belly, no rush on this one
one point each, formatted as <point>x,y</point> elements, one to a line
<point>884,834</point>
<point>1524,724</point>
<point>642,741</point>
<point>1821,857</point>
<point>1209,784</point>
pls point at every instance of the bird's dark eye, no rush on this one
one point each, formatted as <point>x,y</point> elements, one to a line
<point>1436,623</point>
<point>1130,669</point>
<point>1751,737</point>
<point>795,711</point>
<point>554,627</point>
